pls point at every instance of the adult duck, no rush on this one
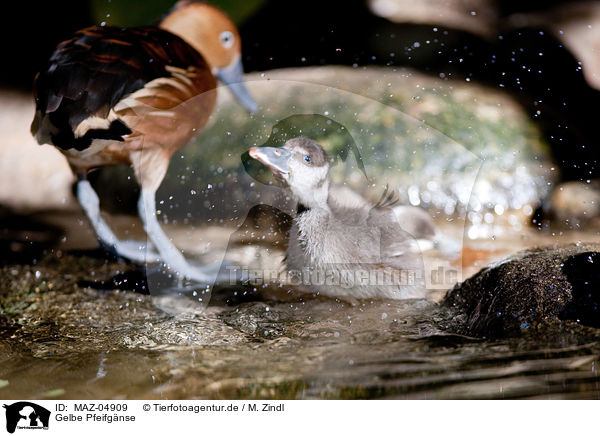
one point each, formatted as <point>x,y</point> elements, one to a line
<point>135,96</point>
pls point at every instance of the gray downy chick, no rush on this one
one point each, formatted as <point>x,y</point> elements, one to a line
<point>339,245</point>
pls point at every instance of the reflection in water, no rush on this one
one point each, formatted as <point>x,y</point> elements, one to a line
<point>272,342</point>
<point>317,350</point>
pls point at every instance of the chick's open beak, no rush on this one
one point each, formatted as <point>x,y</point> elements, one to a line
<point>232,76</point>
<point>277,159</point>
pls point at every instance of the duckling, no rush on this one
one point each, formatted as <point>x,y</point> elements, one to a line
<point>345,248</point>
<point>111,96</point>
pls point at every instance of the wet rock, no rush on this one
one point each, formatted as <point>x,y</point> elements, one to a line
<point>532,288</point>
<point>257,320</point>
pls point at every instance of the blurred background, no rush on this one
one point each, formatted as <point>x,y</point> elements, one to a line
<point>542,56</point>
<point>544,52</point>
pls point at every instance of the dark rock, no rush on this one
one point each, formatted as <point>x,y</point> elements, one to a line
<point>530,288</point>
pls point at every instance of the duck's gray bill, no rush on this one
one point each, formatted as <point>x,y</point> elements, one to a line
<point>277,159</point>
<point>232,76</point>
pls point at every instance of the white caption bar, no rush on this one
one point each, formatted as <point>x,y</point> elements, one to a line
<point>251,417</point>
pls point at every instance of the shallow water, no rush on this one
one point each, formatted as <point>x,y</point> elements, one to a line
<point>63,340</point>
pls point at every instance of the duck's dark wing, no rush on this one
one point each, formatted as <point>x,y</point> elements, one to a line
<point>90,73</point>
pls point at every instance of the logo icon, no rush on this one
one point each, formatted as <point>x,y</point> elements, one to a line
<point>26,415</point>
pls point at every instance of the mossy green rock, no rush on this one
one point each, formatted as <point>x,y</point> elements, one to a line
<point>449,146</point>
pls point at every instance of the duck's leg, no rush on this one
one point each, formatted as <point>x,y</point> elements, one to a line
<point>89,201</point>
<point>168,252</point>
<point>150,167</point>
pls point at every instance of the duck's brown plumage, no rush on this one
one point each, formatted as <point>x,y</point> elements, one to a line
<point>112,96</point>
<point>89,74</point>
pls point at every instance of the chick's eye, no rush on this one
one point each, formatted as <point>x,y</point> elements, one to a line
<point>226,38</point>
<point>307,159</point>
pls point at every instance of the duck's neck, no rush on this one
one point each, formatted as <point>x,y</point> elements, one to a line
<point>188,25</point>
<point>315,199</point>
